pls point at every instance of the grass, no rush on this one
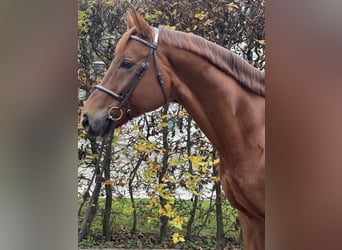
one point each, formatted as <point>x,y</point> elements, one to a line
<point>204,226</point>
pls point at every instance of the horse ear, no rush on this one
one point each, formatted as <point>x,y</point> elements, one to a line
<point>143,28</point>
<point>130,22</point>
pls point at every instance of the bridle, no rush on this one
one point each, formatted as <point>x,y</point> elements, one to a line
<point>139,74</point>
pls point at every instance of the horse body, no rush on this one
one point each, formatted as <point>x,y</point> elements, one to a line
<point>233,120</point>
<point>222,93</point>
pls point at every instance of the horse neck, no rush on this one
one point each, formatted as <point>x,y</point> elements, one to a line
<point>221,108</point>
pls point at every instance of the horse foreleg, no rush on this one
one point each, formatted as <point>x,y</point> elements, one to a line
<point>253,232</point>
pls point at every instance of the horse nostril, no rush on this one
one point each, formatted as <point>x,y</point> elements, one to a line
<point>85,121</point>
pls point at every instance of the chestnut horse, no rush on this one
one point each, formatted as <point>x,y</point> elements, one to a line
<point>223,93</point>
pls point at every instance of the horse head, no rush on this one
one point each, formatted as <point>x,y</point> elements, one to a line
<point>133,83</point>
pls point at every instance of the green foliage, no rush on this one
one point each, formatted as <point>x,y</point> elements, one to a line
<point>147,235</point>
<point>88,242</point>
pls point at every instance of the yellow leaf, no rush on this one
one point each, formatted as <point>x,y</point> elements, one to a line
<point>174,13</point>
<point>141,10</point>
<point>158,12</point>
<point>217,161</point>
<point>177,222</point>
<point>232,7</point>
<point>109,3</point>
<point>209,22</point>
<point>262,42</point>
<point>166,116</point>
<point>176,237</point>
<point>164,178</point>
<point>183,112</point>
<point>204,170</point>
<point>200,16</point>
<point>174,181</point>
<point>195,160</point>
<point>108,182</point>
<point>162,125</point>
<point>172,200</point>
<point>215,178</point>
<point>167,211</point>
<point>168,207</point>
<point>175,162</point>
<point>170,27</point>
<point>141,148</point>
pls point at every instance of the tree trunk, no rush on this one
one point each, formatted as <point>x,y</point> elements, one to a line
<point>192,218</point>
<point>108,189</point>
<point>93,202</point>
<point>130,189</point>
<point>86,195</point>
<point>195,197</point>
<point>90,212</point>
<point>219,218</point>
<point>164,219</point>
<point>163,228</point>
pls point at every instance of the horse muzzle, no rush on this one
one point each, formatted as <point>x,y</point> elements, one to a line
<point>96,126</point>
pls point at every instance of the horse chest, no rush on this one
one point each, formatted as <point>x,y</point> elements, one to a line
<point>244,187</point>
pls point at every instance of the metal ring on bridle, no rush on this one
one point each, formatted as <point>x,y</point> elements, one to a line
<point>115,118</point>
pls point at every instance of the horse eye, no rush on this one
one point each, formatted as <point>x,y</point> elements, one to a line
<point>126,64</point>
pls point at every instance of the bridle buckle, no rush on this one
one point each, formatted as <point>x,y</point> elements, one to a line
<point>115,109</point>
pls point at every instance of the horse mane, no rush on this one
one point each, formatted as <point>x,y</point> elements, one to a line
<point>245,74</point>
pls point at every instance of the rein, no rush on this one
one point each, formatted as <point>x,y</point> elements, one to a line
<point>139,74</point>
